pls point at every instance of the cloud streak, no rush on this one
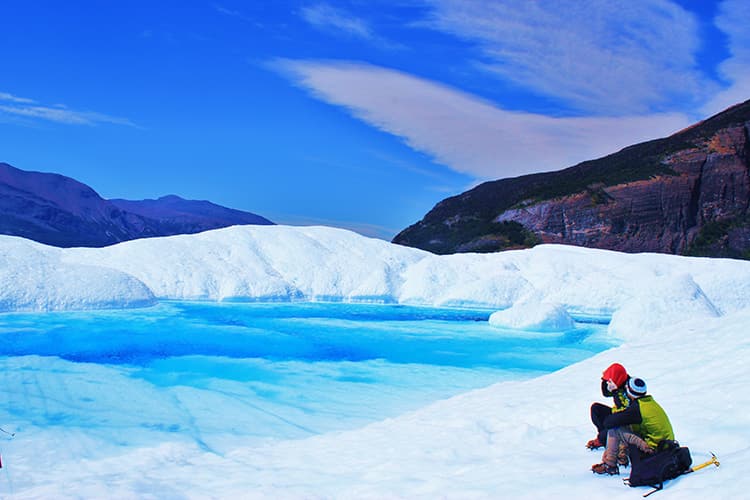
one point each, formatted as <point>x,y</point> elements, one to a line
<point>337,21</point>
<point>4,96</point>
<point>463,132</point>
<point>29,108</point>
<point>733,19</point>
<point>236,14</point>
<point>606,57</point>
<point>326,17</point>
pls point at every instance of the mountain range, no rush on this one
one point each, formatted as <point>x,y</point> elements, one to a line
<point>60,211</point>
<point>688,193</point>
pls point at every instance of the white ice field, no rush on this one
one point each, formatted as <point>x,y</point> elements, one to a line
<point>680,323</point>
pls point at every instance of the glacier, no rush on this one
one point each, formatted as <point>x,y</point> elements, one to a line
<point>681,323</point>
<point>284,263</point>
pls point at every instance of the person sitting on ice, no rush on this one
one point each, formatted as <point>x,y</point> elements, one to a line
<point>642,426</point>
<point>614,380</point>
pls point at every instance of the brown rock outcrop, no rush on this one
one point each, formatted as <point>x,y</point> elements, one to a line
<point>662,214</point>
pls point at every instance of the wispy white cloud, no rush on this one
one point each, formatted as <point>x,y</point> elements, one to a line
<point>29,108</point>
<point>603,56</point>
<point>233,13</point>
<point>229,12</point>
<point>4,96</point>
<point>734,20</point>
<point>466,133</point>
<point>326,17</point>
<point>336,20</point>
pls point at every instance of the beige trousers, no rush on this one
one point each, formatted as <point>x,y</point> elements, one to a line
<point>622,435</point>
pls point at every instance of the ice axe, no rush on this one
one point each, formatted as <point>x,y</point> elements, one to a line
<point>713,460</point>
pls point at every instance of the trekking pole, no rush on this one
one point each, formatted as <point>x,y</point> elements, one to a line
<point>7,475</point>
<point>713,460</point>
<point>12,435</point>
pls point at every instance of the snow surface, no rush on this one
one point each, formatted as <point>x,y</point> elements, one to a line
<point>683,323</point>
<point>535,316</point>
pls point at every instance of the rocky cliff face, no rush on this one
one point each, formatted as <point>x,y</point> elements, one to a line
<point>685,194</point>
<point>663,214</point>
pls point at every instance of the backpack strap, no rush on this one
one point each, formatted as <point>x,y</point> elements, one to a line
<point>656,488</point>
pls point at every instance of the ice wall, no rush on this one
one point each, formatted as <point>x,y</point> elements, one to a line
<point>640,291</point>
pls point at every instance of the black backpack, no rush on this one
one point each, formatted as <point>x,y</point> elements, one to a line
<point>669,461</point>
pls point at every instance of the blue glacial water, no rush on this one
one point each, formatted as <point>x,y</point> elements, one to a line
<point>227,371</point>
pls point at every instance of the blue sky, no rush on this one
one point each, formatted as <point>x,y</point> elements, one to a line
<point>357,114</point>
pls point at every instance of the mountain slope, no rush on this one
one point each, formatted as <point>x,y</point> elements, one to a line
<point>189,214</point>
<point>686,193</point>
<point>60,211</point>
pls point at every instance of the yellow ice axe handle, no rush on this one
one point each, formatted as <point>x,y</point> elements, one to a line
<point>713,460</point>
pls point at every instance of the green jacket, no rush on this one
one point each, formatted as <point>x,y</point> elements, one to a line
<point>646,418</point>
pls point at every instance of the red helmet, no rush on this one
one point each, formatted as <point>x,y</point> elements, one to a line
<point>616,373</point>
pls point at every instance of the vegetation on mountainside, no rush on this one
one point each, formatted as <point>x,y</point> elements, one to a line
<point>715,239</point>
<point>494,236</point>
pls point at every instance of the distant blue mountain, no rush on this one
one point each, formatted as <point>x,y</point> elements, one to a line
<point>202,215</point>
<point>60,211</point>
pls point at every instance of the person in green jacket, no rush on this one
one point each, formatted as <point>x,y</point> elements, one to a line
<point>643,425</point>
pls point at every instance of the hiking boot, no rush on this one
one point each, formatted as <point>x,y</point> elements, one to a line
<point>622,455</point>
<point>594,444</point>
<point>603,468</point>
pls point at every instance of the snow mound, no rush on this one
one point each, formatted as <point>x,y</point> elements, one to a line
<point>464,280</point>
<point>261,263</point>
<point>534,316</point>
<point>34,277</point>
<point>663,301</point>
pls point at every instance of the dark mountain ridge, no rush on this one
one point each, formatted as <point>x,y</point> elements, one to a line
<point>687,193</point>
<point>201,214</point>
<point>60,211</point>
